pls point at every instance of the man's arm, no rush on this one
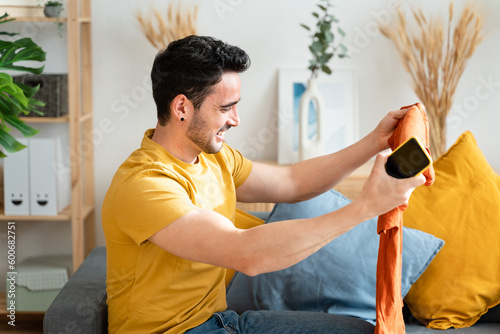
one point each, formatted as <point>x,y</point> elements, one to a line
<point>205,236</point>
<point>309,178</point>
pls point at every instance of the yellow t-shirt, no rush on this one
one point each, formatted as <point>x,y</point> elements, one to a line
<point>150,290</point>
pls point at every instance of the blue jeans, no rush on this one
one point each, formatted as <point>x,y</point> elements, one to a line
<point>282,322</point>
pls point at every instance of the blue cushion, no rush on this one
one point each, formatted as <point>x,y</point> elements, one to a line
<point>340,278</point>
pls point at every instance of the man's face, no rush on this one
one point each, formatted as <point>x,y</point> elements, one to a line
<point>216,115</point>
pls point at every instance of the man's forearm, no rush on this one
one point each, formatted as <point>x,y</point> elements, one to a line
<point>317,175</point>
<point>279,245</point>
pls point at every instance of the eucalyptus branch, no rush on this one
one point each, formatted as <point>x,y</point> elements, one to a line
<point>324,46</point>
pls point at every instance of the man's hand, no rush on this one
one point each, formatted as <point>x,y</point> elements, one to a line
<point>382,193</point>
<point>387,126</point>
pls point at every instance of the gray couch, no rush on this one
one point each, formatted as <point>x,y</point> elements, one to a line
<point>81,308</point>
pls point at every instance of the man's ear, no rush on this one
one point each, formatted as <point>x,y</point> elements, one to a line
<point>182,108</point>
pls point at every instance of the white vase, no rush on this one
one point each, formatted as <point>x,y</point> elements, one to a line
<point>311,147</point>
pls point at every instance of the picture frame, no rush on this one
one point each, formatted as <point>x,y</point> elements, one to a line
<point>339,93</point>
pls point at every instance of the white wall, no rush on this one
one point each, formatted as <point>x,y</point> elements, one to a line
<point>269,31</point>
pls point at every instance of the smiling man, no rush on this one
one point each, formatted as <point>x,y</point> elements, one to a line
<point>168,216</point>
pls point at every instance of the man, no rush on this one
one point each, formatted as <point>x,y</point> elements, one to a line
<point>168,215</point>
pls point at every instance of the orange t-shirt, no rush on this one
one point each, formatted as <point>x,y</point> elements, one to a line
<point>389,303</point>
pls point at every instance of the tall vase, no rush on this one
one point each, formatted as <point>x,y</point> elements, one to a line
<point>311,147</point>
<point>437,131</point>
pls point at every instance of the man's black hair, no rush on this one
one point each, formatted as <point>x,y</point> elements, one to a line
<point>192,66</point>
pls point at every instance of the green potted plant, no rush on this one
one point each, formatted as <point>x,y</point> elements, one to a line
<point>53,9</point>
<point>324,47</point>
<point>17,98</point>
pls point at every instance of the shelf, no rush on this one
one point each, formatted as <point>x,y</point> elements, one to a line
<point>50,19</point>
<point>84,20</point>
<point>64,215</point>
<point>62,119</point>
<point>39,19</point>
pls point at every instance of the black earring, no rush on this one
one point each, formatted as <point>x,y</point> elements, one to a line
<point>182,119</point>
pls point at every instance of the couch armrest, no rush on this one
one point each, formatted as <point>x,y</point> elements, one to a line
<point>80,306</point>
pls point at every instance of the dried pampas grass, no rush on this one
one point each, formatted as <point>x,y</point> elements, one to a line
<point>177,24</point>
<point>435,56</point>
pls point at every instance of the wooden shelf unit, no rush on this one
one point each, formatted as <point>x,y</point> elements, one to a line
<point>64,215</point>
<point>79,120</point>
<point>62,119</point>
<point>40,19</point>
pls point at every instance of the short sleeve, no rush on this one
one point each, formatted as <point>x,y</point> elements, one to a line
<point>144,206</point>
<point>239,165</point>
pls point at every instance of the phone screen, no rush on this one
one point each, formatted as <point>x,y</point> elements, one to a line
<point>408,160</point>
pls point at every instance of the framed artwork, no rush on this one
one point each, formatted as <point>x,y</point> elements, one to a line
<point>338,92</point>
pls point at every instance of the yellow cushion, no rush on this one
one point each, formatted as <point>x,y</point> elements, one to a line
<point>462,207</point>
<point>242,220</point>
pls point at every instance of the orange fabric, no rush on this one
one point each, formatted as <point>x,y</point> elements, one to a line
<point>389,304</point>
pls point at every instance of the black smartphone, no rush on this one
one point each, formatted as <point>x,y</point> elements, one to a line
<point>408,160</point>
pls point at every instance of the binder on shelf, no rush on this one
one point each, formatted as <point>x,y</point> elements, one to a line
<point>16,182</point>
<point>49,184</point>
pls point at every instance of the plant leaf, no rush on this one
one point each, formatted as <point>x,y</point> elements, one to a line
<point>21,50</point>
<point>325,26</point>
<point>30,92</point>
<point>16,98</point>
<point>4,19</point>
<point>328,36</point>
<point>341,31</point>
<point>9,142</point>
<point>7,86</point>
<point>326,69</point>
<point>8,33</point>
<point>305,27</point>
<point>25,129</point>
<point>316,47</point>
<point>323,47</point>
